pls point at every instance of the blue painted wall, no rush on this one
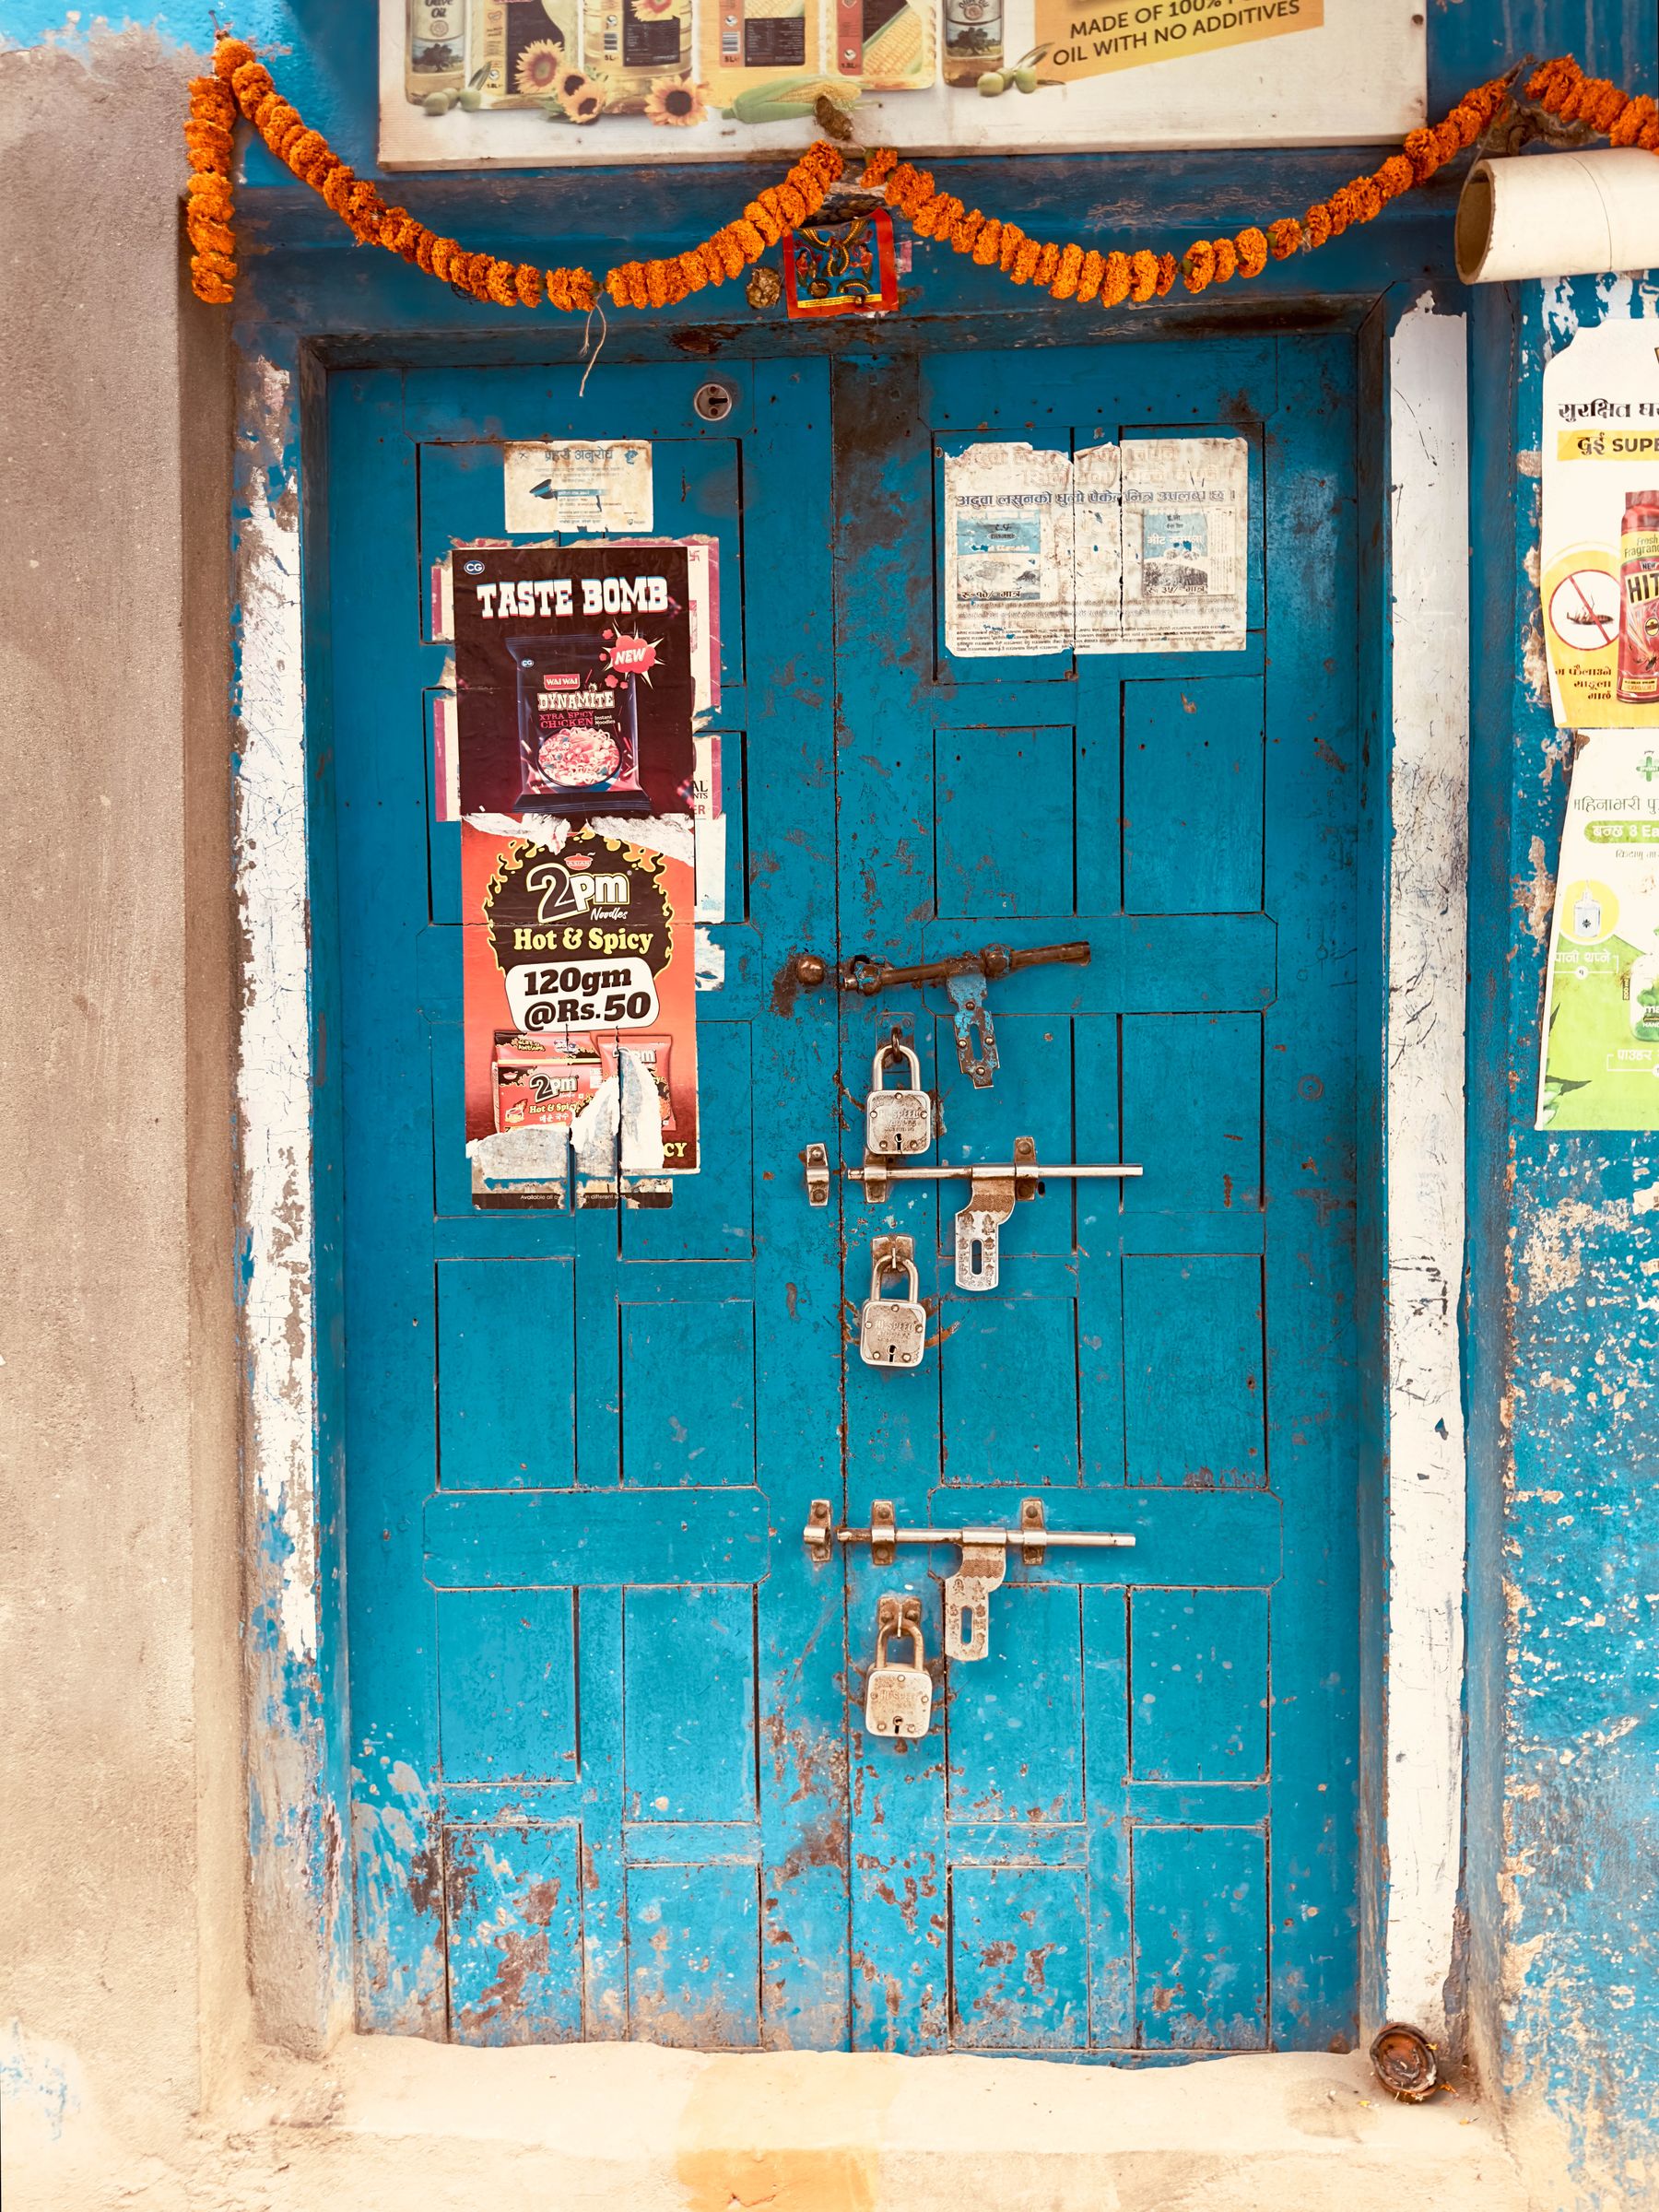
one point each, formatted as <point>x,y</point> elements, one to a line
<point>1563,1334</point>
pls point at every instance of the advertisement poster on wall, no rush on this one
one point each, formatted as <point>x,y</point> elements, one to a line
<point>471,83</point>
<point>1599,558</point>
<point>569,753</point>
<point>1601,1009</point>
<point>574,685</point>
<point>1139,548</point>
<point>580,1014</point>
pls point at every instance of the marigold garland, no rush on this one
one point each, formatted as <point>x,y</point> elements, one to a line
<point>242,82</point>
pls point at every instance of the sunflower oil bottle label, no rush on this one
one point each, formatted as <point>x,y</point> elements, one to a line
<point>523,51</point>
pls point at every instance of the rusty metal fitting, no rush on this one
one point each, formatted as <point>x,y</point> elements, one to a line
<point>1406,2061</point>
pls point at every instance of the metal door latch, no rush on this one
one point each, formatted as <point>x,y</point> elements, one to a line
<point>965,976</point>
<point>994,1188</point>
<point>981,1568</point>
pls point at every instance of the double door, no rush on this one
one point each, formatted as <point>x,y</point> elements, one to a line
<point>611,1776</point>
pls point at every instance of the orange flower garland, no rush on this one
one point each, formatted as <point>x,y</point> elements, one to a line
<point>1065,271</point>
<point>248,85</point>
<point>762,223</point>
<point>210,207</point>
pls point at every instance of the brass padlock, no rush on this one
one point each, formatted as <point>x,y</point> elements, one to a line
<point>897,1123</point>
<point>892,1332</point>
<point>899,1697</point>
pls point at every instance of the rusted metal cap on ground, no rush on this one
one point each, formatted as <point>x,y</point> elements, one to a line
<point>1406,2061</point>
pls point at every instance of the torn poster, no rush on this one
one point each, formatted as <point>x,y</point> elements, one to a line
<point>1599,554</point>
<point>1097,547</point>
<point>601,485</point>
<point>1007,551</point>
<point>1184,553</point>
<point>1137,547</point>
<point>1601,1008</point>
<point>579,1017</point>
<point>574,685</point>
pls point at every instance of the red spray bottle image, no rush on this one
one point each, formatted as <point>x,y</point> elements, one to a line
<point>1639,600</point>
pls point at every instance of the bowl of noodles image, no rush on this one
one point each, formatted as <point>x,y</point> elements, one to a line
<point>578,758</point>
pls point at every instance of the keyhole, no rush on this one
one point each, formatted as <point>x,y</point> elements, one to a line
<point>715,402</point>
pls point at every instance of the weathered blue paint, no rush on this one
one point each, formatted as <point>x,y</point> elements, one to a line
<point>618,1417</point>
<point>588,1445</point>
<point>1563,1320</point>
<point>1131,1359</point>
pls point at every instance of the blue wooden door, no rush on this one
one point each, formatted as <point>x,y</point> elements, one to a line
<point>609,1772</point>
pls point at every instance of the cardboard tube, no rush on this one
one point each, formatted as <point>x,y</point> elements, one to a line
<point>1558,215</point>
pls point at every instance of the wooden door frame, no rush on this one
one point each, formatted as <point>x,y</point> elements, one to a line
<point>1412,641</point>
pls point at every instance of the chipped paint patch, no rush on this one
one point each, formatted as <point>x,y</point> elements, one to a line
<point>41,2087</point>
<point>1427,952</point>
<point>1553,1250</point>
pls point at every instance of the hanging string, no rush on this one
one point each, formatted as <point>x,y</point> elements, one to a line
<point>597,309</point>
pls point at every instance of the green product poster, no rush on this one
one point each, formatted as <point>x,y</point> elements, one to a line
<point>1601,1005</point>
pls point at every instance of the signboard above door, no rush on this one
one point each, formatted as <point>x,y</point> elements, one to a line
<point>528,83</point>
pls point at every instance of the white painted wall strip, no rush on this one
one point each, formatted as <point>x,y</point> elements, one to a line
<point>274,1071</point>
<point>1423,1659</point>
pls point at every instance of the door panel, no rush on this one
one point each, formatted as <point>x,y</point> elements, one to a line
<point>611,1777</point>
<point>1179,811</point>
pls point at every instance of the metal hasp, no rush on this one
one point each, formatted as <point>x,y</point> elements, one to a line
<point>982,1566</point>
<point>964,975</point>
<point>994,1188</point>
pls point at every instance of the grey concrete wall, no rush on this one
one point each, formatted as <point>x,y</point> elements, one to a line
<point>121,1915</point>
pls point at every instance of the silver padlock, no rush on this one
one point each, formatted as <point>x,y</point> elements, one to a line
<point>897,1123</point>
<point>898,1697</point>
<point>892,1332</point>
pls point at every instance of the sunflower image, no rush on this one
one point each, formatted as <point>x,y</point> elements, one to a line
<point>539,66</point>
<point>582,99</point>
<point>676,101</point>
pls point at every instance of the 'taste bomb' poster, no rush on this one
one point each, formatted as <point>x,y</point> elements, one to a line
<point>574,689</point>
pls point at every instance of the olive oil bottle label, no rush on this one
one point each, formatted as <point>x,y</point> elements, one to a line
<point>436,55</point>
<point>974,40</point>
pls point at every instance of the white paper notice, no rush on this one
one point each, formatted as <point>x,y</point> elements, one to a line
<point>1007,551</point>
<point>601,485</point>
<point>1185,503</point>
<point>1139,548</point>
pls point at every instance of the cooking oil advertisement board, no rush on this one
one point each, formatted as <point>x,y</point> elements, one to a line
<point>1601,1009</point>
<point>1599,558</point>
<point>531,83</point>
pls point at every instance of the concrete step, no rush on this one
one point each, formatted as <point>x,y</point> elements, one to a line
<point>632,2128</point>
